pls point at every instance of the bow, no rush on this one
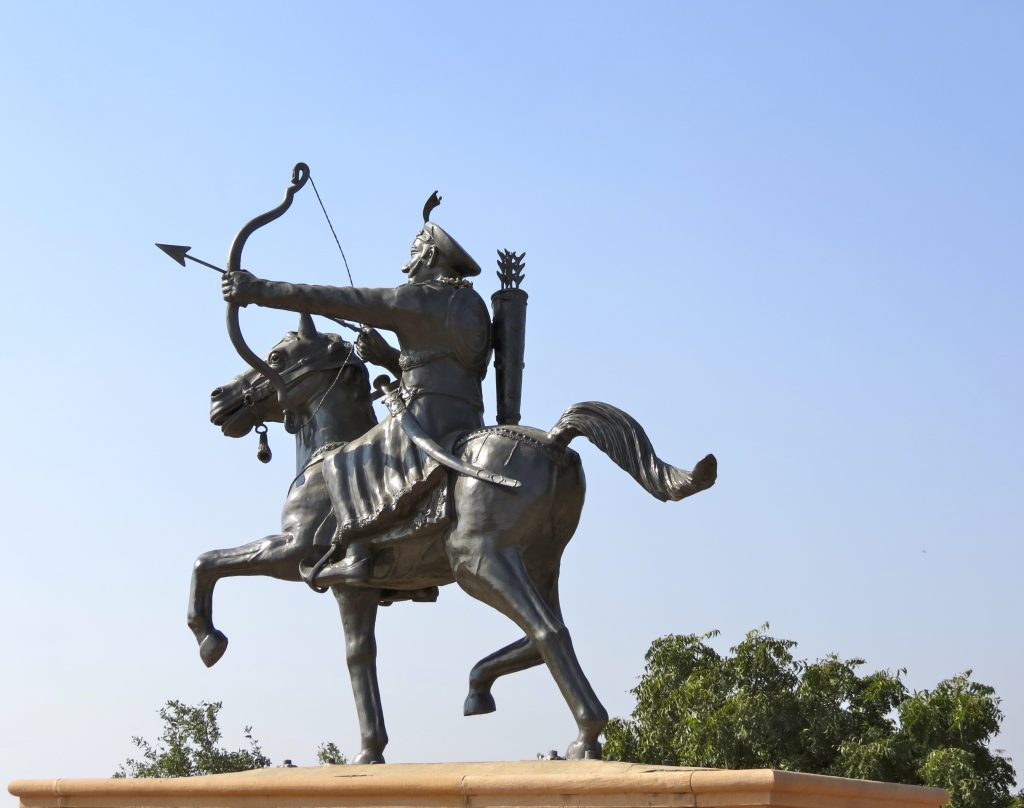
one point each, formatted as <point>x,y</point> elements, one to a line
<point>300,174</point>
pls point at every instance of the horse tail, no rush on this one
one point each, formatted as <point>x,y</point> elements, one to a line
<point>619,436</point>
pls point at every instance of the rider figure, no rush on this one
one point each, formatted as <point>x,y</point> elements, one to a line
<point>443,328</point>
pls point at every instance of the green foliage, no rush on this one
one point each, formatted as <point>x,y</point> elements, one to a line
<point>188,746</point>
<point>328,752</point>
<point>760,707</point>
<point>949,728</point>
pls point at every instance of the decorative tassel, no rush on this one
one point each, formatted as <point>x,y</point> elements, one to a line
<point>263,453</point>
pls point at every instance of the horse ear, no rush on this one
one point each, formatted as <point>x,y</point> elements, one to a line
<point>307,328</point>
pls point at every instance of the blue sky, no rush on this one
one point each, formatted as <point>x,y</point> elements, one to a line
<point>786,233</point>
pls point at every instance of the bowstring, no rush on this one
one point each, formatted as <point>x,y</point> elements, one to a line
<point>333,233</point>
<point>337,241</point>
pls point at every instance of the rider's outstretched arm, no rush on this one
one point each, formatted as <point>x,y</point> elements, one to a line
<point>387,308</point>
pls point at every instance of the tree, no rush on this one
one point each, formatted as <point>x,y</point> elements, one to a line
<point>189,746</point>
<point>329,753</point>
<point>763,708</point>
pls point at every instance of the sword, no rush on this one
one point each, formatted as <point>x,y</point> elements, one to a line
<point>411,427</point>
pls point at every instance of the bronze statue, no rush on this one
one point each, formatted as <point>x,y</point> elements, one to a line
<point>429,496</point>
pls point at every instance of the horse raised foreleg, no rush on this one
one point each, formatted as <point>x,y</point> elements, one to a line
<point>499,579</point>
<point>359,617</point>
<point>275,556</point>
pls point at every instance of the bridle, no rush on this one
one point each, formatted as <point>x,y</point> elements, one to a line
<point>291,376</point>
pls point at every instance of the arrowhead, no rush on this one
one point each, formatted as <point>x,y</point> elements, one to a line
<point>176,252</point>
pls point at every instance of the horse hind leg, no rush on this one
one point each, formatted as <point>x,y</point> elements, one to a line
<point>500,580</point>
<point>275,556</point>
<point>514,657</point>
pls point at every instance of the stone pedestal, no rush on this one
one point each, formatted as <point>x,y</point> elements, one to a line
<point>580,784</point>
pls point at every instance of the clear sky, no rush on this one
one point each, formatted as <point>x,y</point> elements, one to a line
<point>787,233</point>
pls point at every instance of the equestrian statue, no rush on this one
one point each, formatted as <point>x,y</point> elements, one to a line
<point>387,511</point>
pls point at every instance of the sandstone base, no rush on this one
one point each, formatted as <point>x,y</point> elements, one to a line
<point>579,784</point>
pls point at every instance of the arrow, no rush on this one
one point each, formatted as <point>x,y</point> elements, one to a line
<point>179,254</point>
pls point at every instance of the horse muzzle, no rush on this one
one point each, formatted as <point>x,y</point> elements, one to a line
<point>230,409</point>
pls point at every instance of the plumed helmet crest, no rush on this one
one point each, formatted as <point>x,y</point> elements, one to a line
<point>429,205</point>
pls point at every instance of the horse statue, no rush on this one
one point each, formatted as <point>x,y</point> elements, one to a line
<point>502,545</point>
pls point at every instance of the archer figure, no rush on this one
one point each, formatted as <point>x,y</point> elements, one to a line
<point>443,328</point>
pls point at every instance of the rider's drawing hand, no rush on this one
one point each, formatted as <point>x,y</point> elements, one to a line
<point>238,287</point>
<point>372,347</point>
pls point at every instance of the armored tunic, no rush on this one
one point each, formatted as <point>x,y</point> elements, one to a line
<point>444,334</point>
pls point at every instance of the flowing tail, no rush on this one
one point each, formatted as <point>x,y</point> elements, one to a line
<point>619,436</point>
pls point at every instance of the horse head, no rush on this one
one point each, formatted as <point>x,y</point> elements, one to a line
<point>303,358</point>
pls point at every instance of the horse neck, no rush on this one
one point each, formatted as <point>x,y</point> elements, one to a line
<point>339,416</point>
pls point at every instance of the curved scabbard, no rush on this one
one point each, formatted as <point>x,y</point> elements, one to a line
<point>429,447</point>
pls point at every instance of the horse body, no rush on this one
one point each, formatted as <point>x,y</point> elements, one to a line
<point>502,546</point>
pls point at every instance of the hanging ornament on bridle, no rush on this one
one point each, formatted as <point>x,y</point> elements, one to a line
<point>263,453</point>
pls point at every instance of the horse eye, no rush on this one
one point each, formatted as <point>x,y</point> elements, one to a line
<point>275,358</point>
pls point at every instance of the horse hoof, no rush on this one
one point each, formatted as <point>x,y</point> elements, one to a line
<point>212,647</point>
<point>479,702</point>
<point>369,756</point>
<point>582,750</point>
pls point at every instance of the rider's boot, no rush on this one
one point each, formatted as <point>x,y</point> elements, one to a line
<point>353,568</point>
